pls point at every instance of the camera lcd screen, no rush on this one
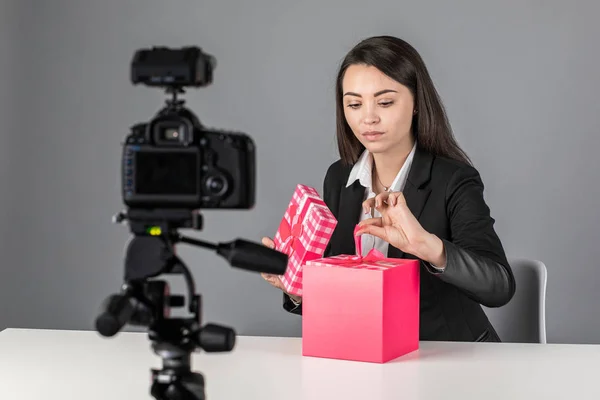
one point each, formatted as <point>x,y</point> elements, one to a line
<point>166,173</point>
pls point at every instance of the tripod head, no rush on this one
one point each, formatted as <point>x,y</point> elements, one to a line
<point>146,301</point>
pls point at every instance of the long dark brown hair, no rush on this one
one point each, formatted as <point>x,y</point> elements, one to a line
<point>400,61</point>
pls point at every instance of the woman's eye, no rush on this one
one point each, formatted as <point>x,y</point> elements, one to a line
<point>386,103</point>
<point>354,105</point>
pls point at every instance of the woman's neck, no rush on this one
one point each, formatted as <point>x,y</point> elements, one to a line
<point>387,165</point>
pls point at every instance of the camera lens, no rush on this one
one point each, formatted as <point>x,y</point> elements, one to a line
<point>216,185</point>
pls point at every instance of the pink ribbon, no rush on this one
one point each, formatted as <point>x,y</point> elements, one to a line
<point>370,260</point>
<point>373,255</point>
<point>291,232</point>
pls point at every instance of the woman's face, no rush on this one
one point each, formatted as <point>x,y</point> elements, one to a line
<point>378,109</point>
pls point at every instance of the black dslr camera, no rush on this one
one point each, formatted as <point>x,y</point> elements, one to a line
<point>173,161</point>
<point>172,167</point>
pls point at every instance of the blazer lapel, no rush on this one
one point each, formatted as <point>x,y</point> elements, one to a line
<point>415,192</point>
<point>351,199</point>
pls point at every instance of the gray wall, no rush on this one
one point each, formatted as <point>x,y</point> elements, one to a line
<point>519,78</point>
<point>11,131</point>
<point>7,67</point>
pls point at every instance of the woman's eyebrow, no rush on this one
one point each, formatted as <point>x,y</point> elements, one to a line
<point>376,94</point>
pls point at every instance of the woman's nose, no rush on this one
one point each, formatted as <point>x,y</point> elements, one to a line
<point>370,117</point>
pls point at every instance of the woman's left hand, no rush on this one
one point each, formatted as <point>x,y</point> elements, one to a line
<point>399,227</point>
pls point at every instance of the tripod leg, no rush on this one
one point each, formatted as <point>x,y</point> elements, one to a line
<point>189,386</point>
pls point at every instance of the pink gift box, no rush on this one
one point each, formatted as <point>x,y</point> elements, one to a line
<point>303,234</point>
<point>360,308</point>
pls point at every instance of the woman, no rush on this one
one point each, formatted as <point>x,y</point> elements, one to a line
<point>421,197</point>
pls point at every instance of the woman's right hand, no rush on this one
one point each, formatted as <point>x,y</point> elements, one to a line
<point>272,278</point>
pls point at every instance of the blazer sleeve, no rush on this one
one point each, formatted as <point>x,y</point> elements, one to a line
<point>331,198</point>
<point>475,259</point>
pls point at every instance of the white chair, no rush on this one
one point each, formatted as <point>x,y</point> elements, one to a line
<point>523,319</point>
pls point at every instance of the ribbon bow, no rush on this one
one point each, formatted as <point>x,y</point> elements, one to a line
<point>291,232</point>
<point>374,258</point>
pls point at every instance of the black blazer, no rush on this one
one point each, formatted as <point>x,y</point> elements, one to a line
<point>446,197</point>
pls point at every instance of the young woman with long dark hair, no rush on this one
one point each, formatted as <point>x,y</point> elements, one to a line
<point>414,191</point>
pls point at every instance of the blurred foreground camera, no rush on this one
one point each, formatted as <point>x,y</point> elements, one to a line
<point>172,167</point>
<point>173,161</point>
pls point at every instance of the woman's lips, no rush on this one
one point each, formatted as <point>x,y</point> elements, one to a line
<point>372,135</point>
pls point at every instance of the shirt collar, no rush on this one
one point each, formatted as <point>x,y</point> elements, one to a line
<point>363,168</point>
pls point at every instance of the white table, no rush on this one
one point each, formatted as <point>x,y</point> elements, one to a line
<point>49,364</point>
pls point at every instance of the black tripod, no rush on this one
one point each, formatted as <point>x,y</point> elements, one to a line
<point>146,302</point>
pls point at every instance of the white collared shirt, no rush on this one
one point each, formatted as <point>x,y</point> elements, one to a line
<point>363,171</point>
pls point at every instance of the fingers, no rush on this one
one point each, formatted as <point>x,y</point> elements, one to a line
<point>273,280</point>
<point>268,242</point>
<point>382,199</point>
<point>366,226</point>
<point>396,198</point>
<point>368,205</point>
<point>375,202</point>
<point>378,221</point>
<point>373,229</point>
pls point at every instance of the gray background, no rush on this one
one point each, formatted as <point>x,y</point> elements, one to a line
<point>519,79</point>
